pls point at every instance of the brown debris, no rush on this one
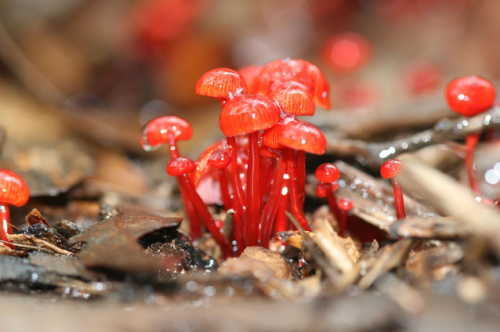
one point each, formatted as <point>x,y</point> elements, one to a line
<point>35,217</point>
<point>31,242</point>
<point>272,259</point>
<point>113,243</point>
<point>429,228</point>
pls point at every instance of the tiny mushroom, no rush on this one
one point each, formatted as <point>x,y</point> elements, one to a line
<point>389,170</point>
<point>13,191</point>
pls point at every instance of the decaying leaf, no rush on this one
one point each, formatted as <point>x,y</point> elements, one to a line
<point>113,243</point>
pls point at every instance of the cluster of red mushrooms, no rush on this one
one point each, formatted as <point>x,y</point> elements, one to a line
<point>260,165</point>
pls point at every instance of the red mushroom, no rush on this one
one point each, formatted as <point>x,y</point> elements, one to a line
<point>221,83</point>
<point>328,174</point>
<point>13,191</point>
<point>470,95</point>
<point>168,130</point>
<point>347,52</point>
<point>247,115</point>
<point>180,167</point>
<point>250,74</point>
<point>345,205</point>
<point>389,170</point>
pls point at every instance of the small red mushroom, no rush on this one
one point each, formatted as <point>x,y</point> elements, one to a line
<point>389,170</point>
<point>328,174</point>
<point>345,205</point>
<point>470,95</point>
<point>168,130</point>
<point>180,167</point>
<point>13,191</point>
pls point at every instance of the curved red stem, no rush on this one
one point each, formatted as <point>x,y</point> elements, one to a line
<point>5,220</point>
<point>281,222</point>
<point>194,221</point>
<point>206,216</point>
<point>398,200</point>
<point>266,173</point>
<point>239,196</point>
<point>295,205</point>
<point>332,202</point>
<point>228,204</point>
<point>253,196</point>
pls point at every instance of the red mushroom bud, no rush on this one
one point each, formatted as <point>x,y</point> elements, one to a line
<point>13,191</point>
<point>345,205</point>
<point>470,95</point>
<point>165,130</point>
<point>389,170</point>
<point>328,174</point>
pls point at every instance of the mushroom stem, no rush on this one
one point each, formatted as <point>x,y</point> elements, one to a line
<point>471,142</point>
<point>266,174</point>
<point>5,220</point>
<point>239,196</point>
<point>295,205</point>
<point>253,196</point>
<point>281,222</point>
<point>332,201</point>
<point>194,221</point>
<point>269,213</point>
<point>398,200</point>
<point>205,215</point>
<point>301,175</point>
<point>230,204</point>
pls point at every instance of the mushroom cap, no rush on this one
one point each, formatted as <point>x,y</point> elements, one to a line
<point>327,173</point>
<point>300,135</point>
<point>248,113</point>
<point>160,130</point>
<point>293,98</point>
<point>13,189</point>
<point>250,74</point>
<point>345,204</point>
<point>470,95</point>
<point>299,71</point>
<point>180,166</point>
<point>219,159</point>
<point>391,168</point>
<point>220,83</point>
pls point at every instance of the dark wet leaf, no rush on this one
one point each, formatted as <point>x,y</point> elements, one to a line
<point>61,265</point>
<point>113,243</point>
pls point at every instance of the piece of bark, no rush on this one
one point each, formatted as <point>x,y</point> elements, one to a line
<point>429,228</point>
<point>35,217</point>
<point>391,257</point>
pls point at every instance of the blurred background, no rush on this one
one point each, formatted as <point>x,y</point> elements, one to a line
<point>78,78</point>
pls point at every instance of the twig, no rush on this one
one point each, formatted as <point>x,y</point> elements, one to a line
<point>451,198</point>
<point>374,154</point>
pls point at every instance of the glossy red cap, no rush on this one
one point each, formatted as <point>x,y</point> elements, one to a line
<point>345,204</point>
<point>250,74</point>
<point>219,159</point>
<point>248,113</point>
<point>302,136</point>
<point>327,173</point>
<point>160,130</point>
<point>391,168</point>
<point>470,95</point>
<point>180,166</point>
<point>13,189</point>
<point>293,98</point>
<point>220,83</point>
<point>300,71</point>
